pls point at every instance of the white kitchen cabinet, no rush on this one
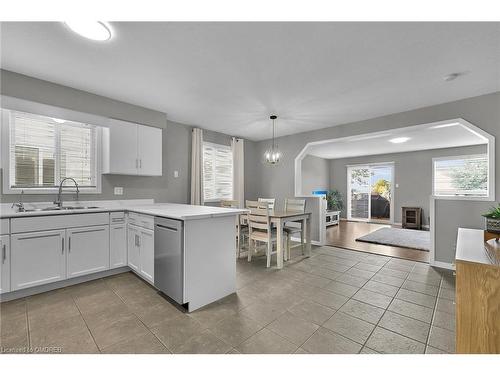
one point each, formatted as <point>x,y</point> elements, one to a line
<point>37,258</point>
<point>117,245</point>
<point>132,149</point>
<point>133,254</point>
<point>4,264</point>
<point>149,151</point>
<point>88,250</point>
<point>147,249</point>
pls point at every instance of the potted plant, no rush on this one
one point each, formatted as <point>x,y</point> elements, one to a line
<point>334,200</point>
<point>492,218</point>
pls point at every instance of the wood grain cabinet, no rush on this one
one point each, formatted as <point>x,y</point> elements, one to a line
<point>477,295</point>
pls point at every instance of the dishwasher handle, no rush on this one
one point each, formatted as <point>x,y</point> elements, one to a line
<point>167,227</point>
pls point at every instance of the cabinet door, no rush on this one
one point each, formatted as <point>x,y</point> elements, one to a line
<point>147,251</point>
<point>4,264</point>
<point>149,150</point>
<point>37,258</point>
<point>88,250</point>
<point>121,150</point>
<point>133,257</point>
<point>117,246</point>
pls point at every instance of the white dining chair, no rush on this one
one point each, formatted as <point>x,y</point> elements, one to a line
<point>240,227</point>
<point>270,201</point>
<point>299,206</point>
<point>259,229</point>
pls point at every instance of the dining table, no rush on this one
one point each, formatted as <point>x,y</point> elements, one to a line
<point>279,218</point>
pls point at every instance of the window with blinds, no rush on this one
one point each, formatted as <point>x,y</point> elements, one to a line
<point>461,176</point>
<point>217,172</point>
<point>44,150</point>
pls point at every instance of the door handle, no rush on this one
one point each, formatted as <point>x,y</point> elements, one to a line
<point>69,245</point>
<point>62,246</point>
<point>4,253</point>
<point>140,163</point>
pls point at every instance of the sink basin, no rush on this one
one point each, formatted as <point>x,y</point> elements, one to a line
<point>56,208</point>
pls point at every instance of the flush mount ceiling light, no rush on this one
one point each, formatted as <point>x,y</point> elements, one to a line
<point>452,76</point>
<point>94,30</point>
<point>399,140</point>
<point>444,125</point>
<point>59,120</point>
<point>273,155</point>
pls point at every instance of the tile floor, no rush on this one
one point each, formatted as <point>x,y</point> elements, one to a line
<point>336,301</point>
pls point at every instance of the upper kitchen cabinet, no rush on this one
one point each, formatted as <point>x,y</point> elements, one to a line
<point>132,149</point>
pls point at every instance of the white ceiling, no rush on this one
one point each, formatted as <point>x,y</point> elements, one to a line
<point>229,77</point>
<point>421,137</point>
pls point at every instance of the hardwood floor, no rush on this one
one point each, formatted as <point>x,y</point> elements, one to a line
<point>344,235</point>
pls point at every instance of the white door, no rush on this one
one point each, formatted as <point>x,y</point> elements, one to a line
<point>358,191</point>
<point>149,150</point>
<point>4,264</point>
<point>117,245</point>
<point>147,252</point>
<point>122,156</point>
<point>133,255</point>
<point>37,258</point>
<point>88,250</point>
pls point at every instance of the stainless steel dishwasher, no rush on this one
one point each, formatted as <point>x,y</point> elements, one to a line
<point>169,258</point>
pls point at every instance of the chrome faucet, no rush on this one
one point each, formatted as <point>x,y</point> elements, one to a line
<point>58,202</point>
<point>20,204</point>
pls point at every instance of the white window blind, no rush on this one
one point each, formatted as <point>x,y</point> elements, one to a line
<point>217,172</point>
<point>43,151</point>
<point>461,176</point>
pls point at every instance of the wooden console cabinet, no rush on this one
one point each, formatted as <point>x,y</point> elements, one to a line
<point>411,217</point>
<point>477,295</point>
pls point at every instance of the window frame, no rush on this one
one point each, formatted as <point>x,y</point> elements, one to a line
<point>486,197</point>
<point>216,145</point>
<point>6,117</point>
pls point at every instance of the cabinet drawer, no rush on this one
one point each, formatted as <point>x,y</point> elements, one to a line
<point>117,217</point>
<point>4,226</point>
<point>32,224</point>
<point>143,221</point>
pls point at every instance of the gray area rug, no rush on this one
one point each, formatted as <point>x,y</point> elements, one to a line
<point>413,239</point>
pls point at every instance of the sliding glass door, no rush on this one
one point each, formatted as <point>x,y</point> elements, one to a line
<point>370,192</point>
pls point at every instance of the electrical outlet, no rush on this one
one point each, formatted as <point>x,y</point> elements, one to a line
<point>118,190</point>
<point>176,174</point>
<point>397,185</point>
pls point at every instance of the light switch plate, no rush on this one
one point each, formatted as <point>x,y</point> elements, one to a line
<point>397,185</point>
<point>176,174</point>
<point>118,190</point>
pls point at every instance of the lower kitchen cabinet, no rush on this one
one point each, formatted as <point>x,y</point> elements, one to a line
<point>133,254</point>
<point>88,250</point>
<point>4,264</point>
<point>37,258</point>
<point>117,245</point>
<point>147,245</point>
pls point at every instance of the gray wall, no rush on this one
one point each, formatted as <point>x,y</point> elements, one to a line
<point>176,140</point>
<point>315,174</point>
<point>412,172</point>
<point>482,111</point>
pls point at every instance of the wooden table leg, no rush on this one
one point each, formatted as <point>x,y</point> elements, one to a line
<point>279,243</point>
<point>307,223</point>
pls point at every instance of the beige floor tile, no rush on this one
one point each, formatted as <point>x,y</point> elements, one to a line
<point>390,280</point>
<point>325,341</point>
<point>301,351</point>
<point>342,289</point>
<point>444,320</point>
<point>145,344</point>
<point>241,299</point>
<point>210,315</point>
<point>14,332</point>
<point>412,328</point>
<point>442,339</point>
<point>107,315</point>
<point>368,267</point>
<point>372,298</point>
<point>366,350</point>
<point>425,279</point>
<point>416,297</point>
<point>266,342</point>
<point>360,273</point>
<point>447,294</point>
<point>175,332</point>
<point>326,272</point>
<point>421,287</point>
<point>398,267</point>
<point>47,314</point>
<point>363,311</point>
<point>446,305</point>
<point>448,282</point>
<point>312,312</point>
<point>385,289</point>
<point>95,302</point>
<point>315,280</point>
<point>203,343</point>
<point>47,299</point>
<point>236,329</point>
<point>411,310</point>
<point>335,266</point>
<point>393,273</point>
<point>353,328</point>
<point>329,299</point>
<point>155,314</point>
<point>107,334</point>
<point>431,350</point>
<point>293,328</point>
<point>384,341</point>
<point>351,280</point>
<point>12,308</point>
<point>264,312</point>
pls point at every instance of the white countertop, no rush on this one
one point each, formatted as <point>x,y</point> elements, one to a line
<point>146,207</point>
<point>470,246</point>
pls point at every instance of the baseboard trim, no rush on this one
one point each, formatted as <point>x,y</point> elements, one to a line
<point>60,284</point>
<point>448,266</point>
<point>313,242</point>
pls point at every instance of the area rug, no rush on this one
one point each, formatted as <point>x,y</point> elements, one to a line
<point>410,238</point>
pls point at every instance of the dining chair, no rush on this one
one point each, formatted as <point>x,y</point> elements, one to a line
<point>270,201</point>
<point>259,229</point>
<point>240,227</point>
<point>299,206</point>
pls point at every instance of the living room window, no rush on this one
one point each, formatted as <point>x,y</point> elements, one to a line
<point>44,150</point>
<point>460,176</point>
<point>217,172</point>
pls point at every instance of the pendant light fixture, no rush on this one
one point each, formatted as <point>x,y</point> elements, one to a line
<point>273,154</point>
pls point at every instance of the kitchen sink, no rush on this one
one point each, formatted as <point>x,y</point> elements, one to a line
<point>57,208</point>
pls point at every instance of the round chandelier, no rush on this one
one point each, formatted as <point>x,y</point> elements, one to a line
<point>273,155</point>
